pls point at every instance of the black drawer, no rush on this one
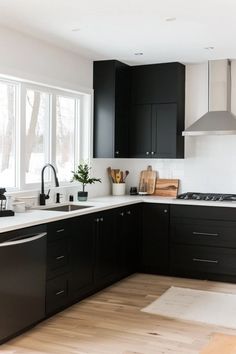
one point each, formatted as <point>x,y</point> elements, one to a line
<point>57,258</point>
<point>56,294</point>
<point>204,232</point>
<point>57,230</point>
<point>202,212</point>
<point>202,260</point>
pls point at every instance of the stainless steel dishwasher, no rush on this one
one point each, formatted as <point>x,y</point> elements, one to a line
<point>22,279</point>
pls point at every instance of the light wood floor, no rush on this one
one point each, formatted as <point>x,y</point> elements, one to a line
<point>111,322</point>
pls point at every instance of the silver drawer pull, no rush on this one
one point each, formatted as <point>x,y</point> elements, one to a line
<point>60,292</point>
<point>205,260</point>
<point>204,234</point>
<point>60,257</point>
<point>61,230</point>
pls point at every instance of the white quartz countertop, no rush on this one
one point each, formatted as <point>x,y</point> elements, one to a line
<point>37,216</point>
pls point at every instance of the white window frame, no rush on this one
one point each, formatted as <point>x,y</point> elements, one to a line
<point>83,128</point>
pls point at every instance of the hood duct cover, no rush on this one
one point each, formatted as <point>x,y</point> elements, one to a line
<point>216,122</point>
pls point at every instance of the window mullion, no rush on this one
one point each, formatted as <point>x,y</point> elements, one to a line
<point>21,133</point>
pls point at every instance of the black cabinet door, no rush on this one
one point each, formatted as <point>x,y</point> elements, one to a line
<point>164,130</point>
<point>155,239</point>
<point>128,238</point>
<point>132,238</point>
<point>106,248</point>
<point>140,131</point>
<point>82,256</point>
<point>111,83</point>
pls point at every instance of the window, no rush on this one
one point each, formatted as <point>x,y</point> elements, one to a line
<point>50,127</point>
<point>8,102</point>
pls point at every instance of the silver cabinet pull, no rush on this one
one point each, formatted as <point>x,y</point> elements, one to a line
<point>128,212</point>
<point>147,152</point>
<point>97,220</point>
<point>60,230</point>
<point>122,214</point>
<point>23,240</point>
<point>205,260</point>
<point>101,219</point>
<point>60,292</point>
<point>165,211</point>
<point>60,257</point>
<point>153,153</point>
<point>204,234</point>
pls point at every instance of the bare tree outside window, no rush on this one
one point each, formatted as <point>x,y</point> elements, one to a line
<point>65,136</point>
<point>37,120</point>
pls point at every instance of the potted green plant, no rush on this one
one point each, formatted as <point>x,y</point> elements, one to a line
<point>82,175</point>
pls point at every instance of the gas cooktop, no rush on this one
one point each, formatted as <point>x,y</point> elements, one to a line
<point>207,196</point>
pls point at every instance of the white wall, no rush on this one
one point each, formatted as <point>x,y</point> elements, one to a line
<point>210,161</point>
<point>31,59</point>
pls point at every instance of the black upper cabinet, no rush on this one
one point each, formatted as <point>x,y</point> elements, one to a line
<point>111,82</point>
<point>157,111</point>
<point>139,110</point>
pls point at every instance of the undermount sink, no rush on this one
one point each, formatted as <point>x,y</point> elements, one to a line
<point>67,207</point>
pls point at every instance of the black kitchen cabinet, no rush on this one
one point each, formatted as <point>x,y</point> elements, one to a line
<point>105,248</point>
<point>157,111</point>
<point>111,108</point>
<point>82,257</point>
<point>202,242</point>
<point>154,131</point>
<point>58,265</point>
<point>128,227</point>
<point>155,239</point>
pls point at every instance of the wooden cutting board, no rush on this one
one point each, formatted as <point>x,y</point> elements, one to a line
<point>147,180</point>
<point>167,187</point>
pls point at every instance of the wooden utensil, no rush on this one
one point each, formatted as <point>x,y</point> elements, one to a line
<point>118,177</point>
<point>126,174</point>
<point>109,171</point>
<point>113,176</point>
<point>167,187</point>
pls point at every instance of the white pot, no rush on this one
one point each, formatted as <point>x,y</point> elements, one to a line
<point>118,188</point>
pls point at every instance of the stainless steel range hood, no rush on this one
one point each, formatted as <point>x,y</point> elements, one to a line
<point>218,120</point>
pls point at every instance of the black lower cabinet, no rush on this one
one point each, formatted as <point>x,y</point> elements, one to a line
<point>155,239</point>
<point>128,229</point>
<point>82,252</point>
<point>58,265</point>
<point>105,248</point>
<point>202,242</point>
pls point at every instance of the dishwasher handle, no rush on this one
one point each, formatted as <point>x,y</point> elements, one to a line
<point>23,240</point>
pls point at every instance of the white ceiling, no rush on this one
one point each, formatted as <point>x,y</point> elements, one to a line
<point>116,29</point>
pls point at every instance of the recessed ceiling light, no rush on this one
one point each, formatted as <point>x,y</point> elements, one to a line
<point>209,48</point>
<point>138,53</point>
<point>75,29</point>
<point>170,19</point>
